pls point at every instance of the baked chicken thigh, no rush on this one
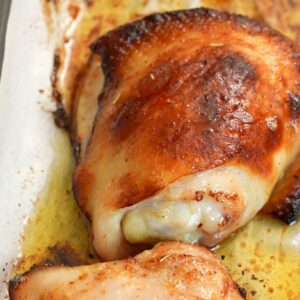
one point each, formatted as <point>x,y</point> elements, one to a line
<point>197,122</point>
<point>169,271</point>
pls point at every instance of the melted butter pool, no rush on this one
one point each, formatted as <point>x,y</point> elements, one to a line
<point>56,231</point>
<point>259,256</point>
<point>263,261</point>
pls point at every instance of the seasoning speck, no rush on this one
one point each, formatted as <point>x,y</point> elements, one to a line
<point>272,123</point>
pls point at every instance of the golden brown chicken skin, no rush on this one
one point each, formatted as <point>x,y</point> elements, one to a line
<point>284,203</point>
<point>169,271</point>
<point>197,122</point>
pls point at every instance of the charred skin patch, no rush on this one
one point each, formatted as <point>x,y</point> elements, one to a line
<point>289,210</point>
<point>284,202</point>
<point>60,117</point>
<point>16,284</point>
<point>204,108</point>
<point>131,192</point>
<point>169,25</point>
<point>293,101</point>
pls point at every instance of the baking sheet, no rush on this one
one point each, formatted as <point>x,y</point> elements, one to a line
<point>26,124</point>
<point>4,12</point>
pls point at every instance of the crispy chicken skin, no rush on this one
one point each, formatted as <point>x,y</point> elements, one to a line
<point>171,270</point>
<point>197,122</point>
<point>284,202</point>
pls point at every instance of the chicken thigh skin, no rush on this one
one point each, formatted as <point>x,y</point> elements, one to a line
<point>197,122</point>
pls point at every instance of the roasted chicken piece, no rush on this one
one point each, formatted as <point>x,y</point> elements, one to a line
<point>197,122</point>
<point>169,271</point>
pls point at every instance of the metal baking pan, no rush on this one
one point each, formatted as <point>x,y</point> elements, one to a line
<point>4,12</point>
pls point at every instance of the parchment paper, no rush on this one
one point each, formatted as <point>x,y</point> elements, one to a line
<point>25,127</point>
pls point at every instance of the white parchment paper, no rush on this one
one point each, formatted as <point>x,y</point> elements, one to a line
<point>25,127</point>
